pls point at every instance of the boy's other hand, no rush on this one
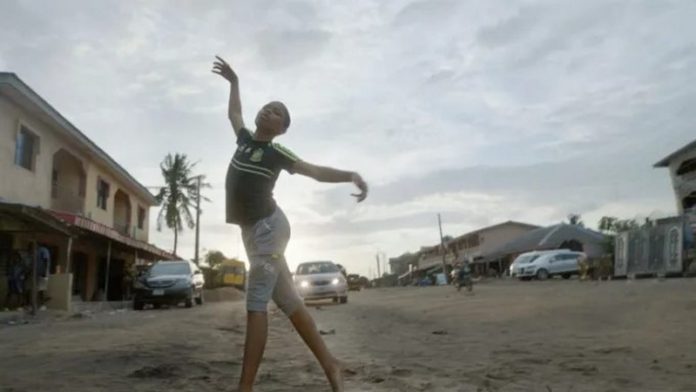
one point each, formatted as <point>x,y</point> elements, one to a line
<point>223,69</point>
<point>361,184</point>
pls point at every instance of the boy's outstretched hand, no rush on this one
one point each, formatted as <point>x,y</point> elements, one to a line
<point>223,69</point>
<point>362,185</point>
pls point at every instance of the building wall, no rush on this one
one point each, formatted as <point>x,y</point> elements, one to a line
<point>29,187</point>
<point>34,187</point>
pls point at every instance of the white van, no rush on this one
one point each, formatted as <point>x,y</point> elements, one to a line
<point>545,264</point>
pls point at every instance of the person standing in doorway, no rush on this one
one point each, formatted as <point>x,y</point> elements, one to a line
<point>43,270</point>
<point>16,273</point>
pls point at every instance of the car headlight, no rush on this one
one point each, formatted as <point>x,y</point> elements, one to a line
<point>304,284</point>
<point>335,282</point>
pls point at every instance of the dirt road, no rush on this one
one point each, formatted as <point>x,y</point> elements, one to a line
<point>558,336</point>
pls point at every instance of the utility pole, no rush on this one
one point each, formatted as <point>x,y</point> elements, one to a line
<point>379,273</point>
<point>444,250</point>
<point>198,216</point>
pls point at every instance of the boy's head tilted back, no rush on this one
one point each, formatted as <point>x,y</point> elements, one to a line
<point>273,118</point>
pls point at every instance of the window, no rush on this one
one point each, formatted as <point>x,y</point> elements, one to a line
<point>316,268</point>
<point>525,259</point>
<point>674,247</point>
<point>141,218</point>
<point>689,202</point>
<point>170,268</point>
<point>102,193</point>
<point>688,166</point>
<point>26,148</point>
<point>565,256</point>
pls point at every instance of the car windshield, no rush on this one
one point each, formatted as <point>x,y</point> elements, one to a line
<point>526,259</point>
<point>316,268</point>
<point>170,269</point>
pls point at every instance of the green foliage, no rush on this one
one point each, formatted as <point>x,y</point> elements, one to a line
<point>179,194</point>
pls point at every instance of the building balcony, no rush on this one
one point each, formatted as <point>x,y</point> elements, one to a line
<point>124,228</point>
<point>67,199</point>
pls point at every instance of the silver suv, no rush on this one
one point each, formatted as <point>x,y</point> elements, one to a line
<point>545,264</point>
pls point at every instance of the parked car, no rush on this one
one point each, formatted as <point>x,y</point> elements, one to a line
<point>354,282</point>
<point>545,264</point>
<point>169,282</point>
<point>321,280</point>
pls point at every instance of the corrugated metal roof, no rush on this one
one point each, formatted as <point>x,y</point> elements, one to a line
<point>550,237</point>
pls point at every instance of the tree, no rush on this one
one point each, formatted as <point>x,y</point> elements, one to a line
<point>626,225</point>
<point>576,220</point>
<point>214,258</point>
<point>178,195</point>
<point>607,224</point>
<point>611,226</point>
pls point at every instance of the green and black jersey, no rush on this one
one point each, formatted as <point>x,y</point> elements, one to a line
<point>251,177</point>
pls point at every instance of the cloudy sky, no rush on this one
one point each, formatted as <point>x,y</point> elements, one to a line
<point>484,111</point>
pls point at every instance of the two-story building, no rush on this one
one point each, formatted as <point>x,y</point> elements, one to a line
<point>63,192</point>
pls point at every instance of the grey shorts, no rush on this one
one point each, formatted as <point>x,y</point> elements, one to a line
<point>269,275</point>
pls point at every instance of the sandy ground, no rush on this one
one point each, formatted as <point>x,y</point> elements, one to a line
<point>557,336</point>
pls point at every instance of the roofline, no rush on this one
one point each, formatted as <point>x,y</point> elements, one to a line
<point>495,226</point>
<point>664,162</point>
<point>15,82</point>
<point>431,247</point>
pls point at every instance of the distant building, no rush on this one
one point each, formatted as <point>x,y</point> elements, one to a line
<point>666,245</point>
<point>400,265</point>
<point>474,246</point>
<point>682,169</point>
<point>560,236</point>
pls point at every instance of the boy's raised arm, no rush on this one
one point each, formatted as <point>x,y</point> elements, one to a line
<point>234,111</point>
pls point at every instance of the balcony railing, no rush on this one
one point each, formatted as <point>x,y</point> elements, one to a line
<point>67,199</point>
<point>124,228</point>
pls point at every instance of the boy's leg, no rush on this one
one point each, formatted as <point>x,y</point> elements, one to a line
<point>307,329</point>
<point>254,346</point>
<point>289,301</point>
<point>263,275</point>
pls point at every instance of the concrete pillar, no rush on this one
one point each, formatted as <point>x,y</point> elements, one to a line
<point>68,258</point>
<point>91,276</point>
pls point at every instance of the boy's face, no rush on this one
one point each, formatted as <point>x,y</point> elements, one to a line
<point>273,117</point>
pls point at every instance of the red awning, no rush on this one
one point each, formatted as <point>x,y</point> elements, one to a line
<point>110,233</point>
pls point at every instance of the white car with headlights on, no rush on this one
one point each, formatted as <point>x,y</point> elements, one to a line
<point>321,280</point>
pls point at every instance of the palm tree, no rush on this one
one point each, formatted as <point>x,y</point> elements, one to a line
<point>178,195</point>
